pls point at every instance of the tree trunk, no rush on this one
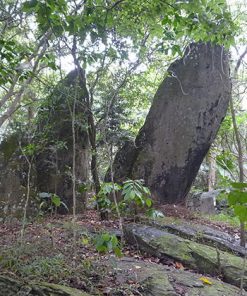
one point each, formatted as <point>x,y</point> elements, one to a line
<point>239,147</point>
<point>90,118</point>
<point>212,171</point>
<point>92,139</point>
<point>240,165</point>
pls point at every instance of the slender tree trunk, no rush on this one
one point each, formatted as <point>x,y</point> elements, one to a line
<point>24,219</point>
<point>212,171</point>
<point>239,146</point>
<point>74,170</point>
<point>90,118</point>
<point>92,139</point>
<point>109,150</point>
<point>13,105</point>
<point>73,161</point>
<point>240,165</point>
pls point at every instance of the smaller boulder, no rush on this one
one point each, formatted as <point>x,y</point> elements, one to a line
<point>203,202</point>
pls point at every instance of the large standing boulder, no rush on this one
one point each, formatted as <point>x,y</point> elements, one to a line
<point>182,123</point>
<point>54,164</point>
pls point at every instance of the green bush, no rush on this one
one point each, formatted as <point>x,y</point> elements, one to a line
<point>134,191</point>
<point>107,242</point>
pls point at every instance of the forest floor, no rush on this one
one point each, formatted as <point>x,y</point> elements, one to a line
<point>49,252</point>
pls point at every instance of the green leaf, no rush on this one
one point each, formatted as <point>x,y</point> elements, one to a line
<point>233,198</point>
<point>85,241</point>
<point>106,236</point>
<point>149,202</point>
<point>107,243</point>
<point>152,213</point>
<point>118,252</point>
<point>114,240</point>
<point>239,185</point>
<point>28,6</point>
<point>237,197</point>
<point>101,248</point>
<point>241,212</point>
<point>56,200</point>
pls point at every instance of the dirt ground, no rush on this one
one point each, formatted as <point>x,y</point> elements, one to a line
<point>51,253</point>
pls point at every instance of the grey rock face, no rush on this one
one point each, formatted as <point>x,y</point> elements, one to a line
<point>207,203</point>
<point>182,123</point>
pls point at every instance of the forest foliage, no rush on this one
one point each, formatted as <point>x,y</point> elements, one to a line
<point>120,51</point>
<point>123,48</point>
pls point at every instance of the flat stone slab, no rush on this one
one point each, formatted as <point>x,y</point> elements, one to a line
<point>203,258</point>
<point>204,234</point>
<point>159,280</point>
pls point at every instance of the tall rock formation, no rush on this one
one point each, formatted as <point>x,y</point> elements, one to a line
<point>54,165</point>
<point>182,123</point>
<point>53,160</point>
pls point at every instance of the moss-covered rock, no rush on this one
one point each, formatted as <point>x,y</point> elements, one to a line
<point>202,234</point>
<point>13,287</point>
<point>158,280</point>
<point>201,257</point>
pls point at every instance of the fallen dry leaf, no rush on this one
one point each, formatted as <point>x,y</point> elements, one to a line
<point>179,265</point>
<point>205,280</point>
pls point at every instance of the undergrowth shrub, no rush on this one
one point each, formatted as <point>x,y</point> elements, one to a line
<point>135,197</point>
<point>106,242</point>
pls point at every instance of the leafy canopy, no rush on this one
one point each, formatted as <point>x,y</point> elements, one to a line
<point>165,20</point>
